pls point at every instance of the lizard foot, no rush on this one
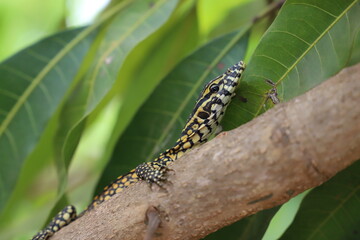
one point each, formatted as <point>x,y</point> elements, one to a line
<point>152,172</point>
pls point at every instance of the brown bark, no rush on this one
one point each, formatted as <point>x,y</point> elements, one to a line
<point>293,147</point>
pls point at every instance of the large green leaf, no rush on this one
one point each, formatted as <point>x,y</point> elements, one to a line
<point>33,83</point>
<point>308,42</point>
<point>160,120</point>
<point>156,56</point>
<point>116,39</point>
<point>330,211</point>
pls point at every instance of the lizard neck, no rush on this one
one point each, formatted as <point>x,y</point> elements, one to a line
<point>196,132</point>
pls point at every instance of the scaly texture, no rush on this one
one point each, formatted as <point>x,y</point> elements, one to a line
<point>202,123</point>
<point>63,218</point>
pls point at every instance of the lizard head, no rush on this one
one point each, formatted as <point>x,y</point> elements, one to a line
<point>217,94</point>
<point>212,102</point>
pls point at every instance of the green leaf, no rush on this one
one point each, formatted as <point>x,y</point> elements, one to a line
<point>284,217</point>
<point>33,84</point>
<point>308,42</point>
<point>155,56</point>
<point>250,228</point>
<point>330,211</point>
<point>159,121</point>
<point>235,13</point>
<point>132,23</point>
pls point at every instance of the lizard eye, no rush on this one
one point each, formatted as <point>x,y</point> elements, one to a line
<point>203,115</point>
<point>214,88</point>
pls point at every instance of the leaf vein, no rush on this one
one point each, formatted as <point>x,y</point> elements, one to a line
<point>314,6</point>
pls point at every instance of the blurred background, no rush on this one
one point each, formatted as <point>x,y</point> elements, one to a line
<point>24,22</point>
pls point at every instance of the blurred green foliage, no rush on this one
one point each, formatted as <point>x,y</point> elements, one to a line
<point>23,22</point>
<point>84,105</point>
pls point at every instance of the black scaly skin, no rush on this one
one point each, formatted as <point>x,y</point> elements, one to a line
<point>202,123</point>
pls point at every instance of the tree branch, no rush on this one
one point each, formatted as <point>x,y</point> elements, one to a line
<point>292,147</point>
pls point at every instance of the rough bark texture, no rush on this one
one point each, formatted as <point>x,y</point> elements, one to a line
<point>292,147</point>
